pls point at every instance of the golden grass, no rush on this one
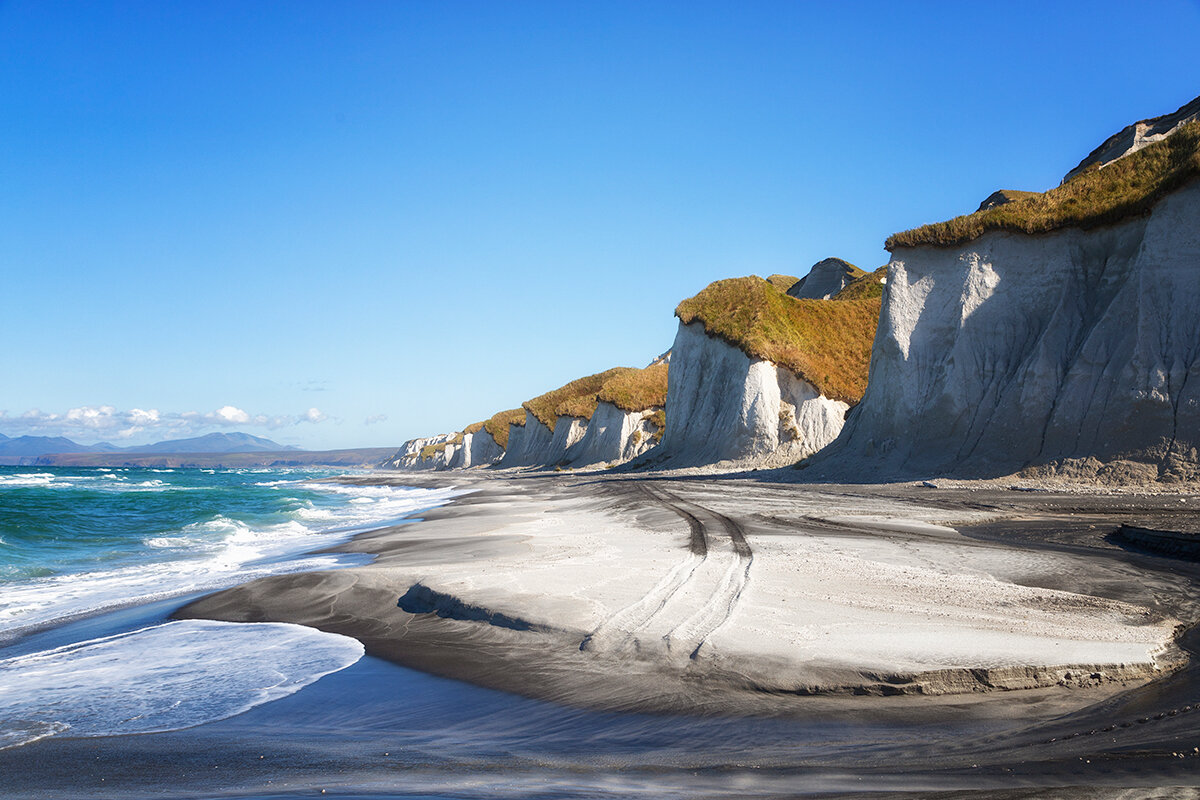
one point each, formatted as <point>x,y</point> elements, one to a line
<point>636,389</point>
<point>575,399</point>
<point>430,450</point>
<point>782,282</point>
<point>1124,188</point>
<point>866,286</point>
<point>474,427</point>
<point>826,342</point>
<point>498,424</point>
<point>627,388</point>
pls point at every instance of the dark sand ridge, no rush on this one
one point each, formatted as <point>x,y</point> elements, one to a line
<point>496,633</point>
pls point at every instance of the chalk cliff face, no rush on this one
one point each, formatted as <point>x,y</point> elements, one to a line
<point>428,452</point>
<point>478,449</point>
<point>447,451</point>
<point>724,406</point>
<point>614,436</point>
<point>528,444</point>
<point>1074,349</point>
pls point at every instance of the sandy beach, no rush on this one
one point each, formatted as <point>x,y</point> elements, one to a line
<point>745,596</point>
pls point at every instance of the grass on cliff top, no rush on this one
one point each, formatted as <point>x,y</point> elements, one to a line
<point>575,399</point>
<point>864,287</point>
<point>633,389</point>
<point>1124,188</point>
<point>498,424</point>
<point>826,342</point>
<point>474,427</point>
<point>627,388</point>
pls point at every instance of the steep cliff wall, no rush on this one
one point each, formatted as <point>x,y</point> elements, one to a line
<point>759,378</point>
<point>478,449</point>
<point>614,436</point>
<point>528,444</point>
<point>562,430</point>
<point>724,406</point>
<point>1074,350</point>
<point>428,452</point>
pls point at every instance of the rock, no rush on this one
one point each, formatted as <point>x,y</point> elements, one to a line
<point>1004,196</point>
<point>825,279</point>
<point>1134,137</point>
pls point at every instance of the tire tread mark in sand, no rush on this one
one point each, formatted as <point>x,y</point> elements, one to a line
<point>637,615</point>
<point>718,608</point>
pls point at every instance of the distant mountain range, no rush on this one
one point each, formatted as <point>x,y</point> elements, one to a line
<point>21,447</point>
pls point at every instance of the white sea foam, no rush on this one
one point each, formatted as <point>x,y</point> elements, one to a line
<point>209,555</point>
<point>20,479</point>
<point>166,677</point>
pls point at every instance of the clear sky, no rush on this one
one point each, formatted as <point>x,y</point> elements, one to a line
<point>348,224</point>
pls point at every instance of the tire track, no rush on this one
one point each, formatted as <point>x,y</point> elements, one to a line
<point>618,631</point>
<point>690,635</point>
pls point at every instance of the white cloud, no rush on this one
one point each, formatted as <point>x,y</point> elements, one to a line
<point>375,418</point>
<point>231,415</point>
<point>93,423</point>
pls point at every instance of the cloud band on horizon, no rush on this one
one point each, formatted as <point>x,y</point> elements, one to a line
<point>106,421</point>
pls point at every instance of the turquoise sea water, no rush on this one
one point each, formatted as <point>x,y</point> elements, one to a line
<point>75,543</point>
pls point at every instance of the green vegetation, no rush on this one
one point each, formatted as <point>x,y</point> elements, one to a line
<point>431,450</point>
<point>497,426</point>
<point>1098,196</point>
<point>474,427</point>
<point>825,342</point>
<point>659,420</point>
<point>636,389</point>
<point>864,287</point>
<point>782,282</point>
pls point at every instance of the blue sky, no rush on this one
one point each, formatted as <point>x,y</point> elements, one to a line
<point>347,224</point>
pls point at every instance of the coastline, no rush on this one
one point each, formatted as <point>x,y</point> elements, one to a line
<point>574,589</point>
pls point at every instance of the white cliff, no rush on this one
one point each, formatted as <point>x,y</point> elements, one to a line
<point>478,449</point>
<point>614,436</point>
<point>1074,349</point>
<point>528,445</point>
<point>724,406</point>
<point>428,452</point>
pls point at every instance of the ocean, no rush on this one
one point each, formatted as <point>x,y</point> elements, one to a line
<point>76,543</point>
